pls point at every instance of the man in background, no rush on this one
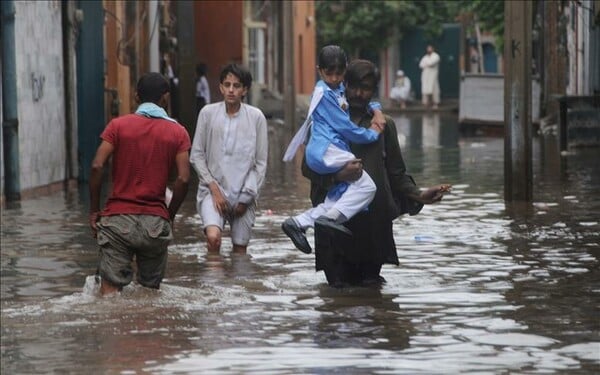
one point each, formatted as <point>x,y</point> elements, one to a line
<point>430,86</point>
<point>400,93</point>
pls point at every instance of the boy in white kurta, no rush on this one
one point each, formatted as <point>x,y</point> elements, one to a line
<point>229,154</point>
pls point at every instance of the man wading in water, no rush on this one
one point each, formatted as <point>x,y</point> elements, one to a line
<point>136,220</point>
<point>358,260</point>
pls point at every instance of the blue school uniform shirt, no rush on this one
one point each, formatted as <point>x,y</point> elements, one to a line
<point>331,124</point>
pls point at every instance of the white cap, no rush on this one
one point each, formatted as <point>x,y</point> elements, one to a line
<point>399,73</point>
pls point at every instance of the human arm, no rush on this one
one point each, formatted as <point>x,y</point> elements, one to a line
<point>378,120</point>
<point>329,115</point>
<point>104,151</point>
<point>199,155</point>
<point>320,184</point>
<point>219,201</point>
<point>198,152</point>
<point>434,59</point>
<point>350,172</point>
<point>205,89</point>
<point>429,61</point>
<point>433,194</point>
<point>402,185</point>
<point>198,88</point>
<point>180,186</point>
<point>240,209</point>
<point>256,175</point>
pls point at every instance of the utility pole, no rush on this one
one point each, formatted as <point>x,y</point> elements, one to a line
<point>153,36</point>
<point>555,59</point>
<point>518,175</point>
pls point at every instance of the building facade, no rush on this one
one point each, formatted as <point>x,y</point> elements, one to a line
<point>252,33</point>
<point>68,67</point>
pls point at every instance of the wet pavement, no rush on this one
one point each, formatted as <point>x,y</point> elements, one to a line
<point>479,289</point>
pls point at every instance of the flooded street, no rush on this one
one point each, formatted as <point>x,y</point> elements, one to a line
<point>478,289</point>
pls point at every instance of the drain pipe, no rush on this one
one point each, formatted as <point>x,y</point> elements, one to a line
<point>10,121</point>
<point>70,22</point>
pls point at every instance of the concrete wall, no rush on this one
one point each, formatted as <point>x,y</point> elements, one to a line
<point>482,99</point>
<point>305,53</point>
<point>218,38</point>
<point>40,86</point>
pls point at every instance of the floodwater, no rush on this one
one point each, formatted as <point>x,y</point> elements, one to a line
<point>480,288</point>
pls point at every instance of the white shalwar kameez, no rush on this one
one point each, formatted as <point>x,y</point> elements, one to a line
<point>429,77</point>
<point>231,151</point>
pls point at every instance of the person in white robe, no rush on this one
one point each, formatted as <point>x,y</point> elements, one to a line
<point>430,86</point>
<point>400,93</point>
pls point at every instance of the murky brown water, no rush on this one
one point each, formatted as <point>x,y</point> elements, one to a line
<point>477,291</point>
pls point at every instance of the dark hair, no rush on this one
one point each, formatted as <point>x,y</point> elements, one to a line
<point>239,71</point>
<point>151,87</point>
<point>359,70</point>
<point>201,69</point>
<point>332,57</point>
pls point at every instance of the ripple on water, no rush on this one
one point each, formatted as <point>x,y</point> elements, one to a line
<point>488,292</point>
<point>439,359</point>
<point>512,340</point>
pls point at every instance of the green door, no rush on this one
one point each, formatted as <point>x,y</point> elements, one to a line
<point>90,85</point>
<point>412,48</point>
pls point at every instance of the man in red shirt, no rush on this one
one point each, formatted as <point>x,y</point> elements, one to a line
<point>136,219</point>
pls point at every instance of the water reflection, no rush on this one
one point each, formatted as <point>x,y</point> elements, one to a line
<point>479,289</point>
<point>431,130</point>
<point>361,318</point>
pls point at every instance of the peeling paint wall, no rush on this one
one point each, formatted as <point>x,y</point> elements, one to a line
<point>40,90</point>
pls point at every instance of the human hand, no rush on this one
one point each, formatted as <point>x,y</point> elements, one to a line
<point>240,209</point>
<point>220,203</point>
<point>378,121</point>
<point>350,172</point>
<point>93,218</point>
<point>172,222</point>
<point>376,127</point>
<point>434,194</point>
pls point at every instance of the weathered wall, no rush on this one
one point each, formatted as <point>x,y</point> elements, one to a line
<point>218,38</point>
<point>40,85</point>
<point>305,36</point>
<point>482,99</point>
